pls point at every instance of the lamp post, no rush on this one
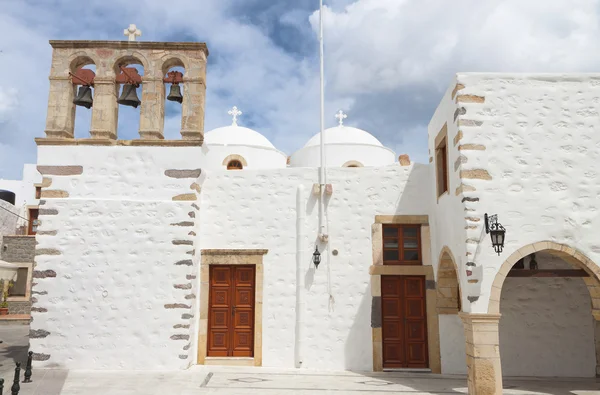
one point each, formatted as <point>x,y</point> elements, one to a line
<point>496,231</point>
<point>316,257</point>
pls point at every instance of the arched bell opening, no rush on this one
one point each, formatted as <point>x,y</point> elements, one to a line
<point>129,86</point>
<point>174,96</point>
<point>83,97</point>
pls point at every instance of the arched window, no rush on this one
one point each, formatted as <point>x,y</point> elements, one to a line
<point>352,163</point>
<point>234,165</point>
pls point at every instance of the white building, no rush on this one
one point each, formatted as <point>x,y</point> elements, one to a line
<point>162,254</point>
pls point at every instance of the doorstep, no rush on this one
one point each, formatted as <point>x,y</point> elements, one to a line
<point>23,319</point>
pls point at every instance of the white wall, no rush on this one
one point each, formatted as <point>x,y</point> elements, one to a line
<point>338,154</point>
<point>256,157</point>
<point>258,210</point>
<point>546,329</point>
<point>452,344</point>
<point>8,219</point>
<point>542,151</point>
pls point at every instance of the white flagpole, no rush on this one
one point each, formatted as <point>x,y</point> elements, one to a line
<point>323,180</point>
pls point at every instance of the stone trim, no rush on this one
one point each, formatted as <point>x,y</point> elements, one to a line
<point>54,193</point>
<point>469,122</point>
<point>471,147</point>
<point>459,161</point>
<point>131,45</point>
<point>458,136</point>
<point>470,99</point>
<point>458,87</point>
<point>185,197</point>
<point>60,170</point>
<point>186,173</point>
<point>231,257</point>
<point>404,160</point>
<point>196,142</point>
<point>433,328</point>
<point>464,188</point>
<point>563,251</point>
<point>402,219</point>
<point>478,174</point>
<point>231,157</point>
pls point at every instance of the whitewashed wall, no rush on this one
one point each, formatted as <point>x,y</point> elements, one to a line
<point>338,154</point>
<point>542,151</point>
<point>546,329</point>
<point>452,344</point>
<point>258,210</point>
<point>256,157</point>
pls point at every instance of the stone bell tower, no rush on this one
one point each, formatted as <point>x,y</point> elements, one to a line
<point>110,57</point>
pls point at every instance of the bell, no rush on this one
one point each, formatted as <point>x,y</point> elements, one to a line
<point>84,97</point>
<point>129,96</point>
<point>175,94</point>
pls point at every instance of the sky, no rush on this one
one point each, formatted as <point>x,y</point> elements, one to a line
<point>387,62</point>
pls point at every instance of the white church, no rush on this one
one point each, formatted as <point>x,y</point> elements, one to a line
<point>219,249</point>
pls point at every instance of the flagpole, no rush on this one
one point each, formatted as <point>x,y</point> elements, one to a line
<point>322,176</point>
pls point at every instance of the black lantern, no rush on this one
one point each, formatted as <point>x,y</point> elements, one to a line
<point>316,257</point>
<point>496,232</point>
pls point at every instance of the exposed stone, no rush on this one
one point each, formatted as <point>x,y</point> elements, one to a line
<point>39,292</point>
<point>458,87</point>
<point>185,197</point>
<point>39,309</point>
<point>472,281</point>
<point>473,219</point>
<point>459,111</point>
<point>186,262</point>
<point>479,174</point>
<point>190,277</point>
<point>187,316</point>
<point>186,347</point>
<point>46,182</point>
<point>180,337</point>
<point>458,136</point>
<point>470,99</point>
<point>182,356</point>
<point>40,357</point>
<point>183,223</point>
<point>183,286</point>
<point>46,232</point>
<point>60,170</point>
<point>190,296</point>
<point>47,251</point>
<point>192,214</point>
<point>192,233</point>
<point>48,211</point>
<point>183,242</point>
<point>472,298</point>
<point>42,202</point>
<point>177,306</point>
<point>188,173</point>
<point>195,187</point>
<point>464,188</point>
<point>54,193</point>
<point>194,205</point>
<point>469,122</point>
<point>181,326</point>
<point>460,160</point>
<point>38,333</point>
<point>471,147</point>
<point>18,248</point>
<point>43,273</point>
<point>404,160</point>
<point>192,252</point>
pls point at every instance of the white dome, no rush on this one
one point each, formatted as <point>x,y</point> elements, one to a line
<point>236,135</point>
<point>344,135</point>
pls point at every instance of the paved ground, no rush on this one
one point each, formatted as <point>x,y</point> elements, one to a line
<point>263,381</point>
<point>14,347</point>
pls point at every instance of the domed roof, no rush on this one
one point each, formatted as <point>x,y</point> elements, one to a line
<point>342,134</point>
<point>236,135</point>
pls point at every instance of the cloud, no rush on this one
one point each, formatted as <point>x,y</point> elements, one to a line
<point>387,61</point>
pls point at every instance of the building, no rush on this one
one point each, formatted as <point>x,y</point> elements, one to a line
<point>162,254</point>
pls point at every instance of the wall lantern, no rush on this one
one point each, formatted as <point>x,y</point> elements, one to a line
<point>316,257</point>
<point>496,231</point>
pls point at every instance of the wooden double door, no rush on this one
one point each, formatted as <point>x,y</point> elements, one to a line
<point>404,322</point>
<point>231,311</point>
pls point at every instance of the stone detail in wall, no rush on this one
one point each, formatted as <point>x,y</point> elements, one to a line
<point>173,173</point>
<point>473,219</point>
<point>471,147</point>
<point>47,251</point>
<point>464,188</point>
<point>190,296</point>
<point>183,356</point>
<point>18,249</point>
<point>404,160</point>
<point>470,99</point>
<point>479,174</point>
<point>38,333</point>
<point>183,286</point>
<point>458,87</point>
<point>18,307</point>
<point>458,136</point>
<point>177,306</point>
<point>185,262</point>
<point>181,326</point>
<point>46,182</point>
<point>469,199</point>
<point>459,111</point>
<point>469,122</point>
<point>39,309</point>
<point>192,233</point>
<point>48,211</point>
<point>183,223</point>
<point>192,214</point>
<point>187,316</point>
<point>43,273</point>
<point>195,187</point>
<point>460,160</point>
<point>60,170</point>
<point>185,197</point>
<point>54,193</point>
<point>47,232</point>
<point>40,357</point>
<point>180,337</point>
<point>183,242</point>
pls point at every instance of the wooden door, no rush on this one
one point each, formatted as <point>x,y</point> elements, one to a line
<point>231,311</point>
<point>404,321</point>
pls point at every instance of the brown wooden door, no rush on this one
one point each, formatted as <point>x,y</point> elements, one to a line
<point>231,311</point>
<point>404,322</point>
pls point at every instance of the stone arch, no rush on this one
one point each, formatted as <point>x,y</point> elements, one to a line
<point>81,59</point>
<point>353,163</point>
<point>448,284</point>
<point>231,157</point>
<point>132,58</point>
<point>563,251</point>
<point>171,60</point>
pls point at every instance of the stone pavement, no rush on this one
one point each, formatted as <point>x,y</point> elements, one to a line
<point>266,381</point>
<point>14,347</point>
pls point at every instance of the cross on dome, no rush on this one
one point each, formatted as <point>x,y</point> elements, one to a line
<point>341,116</point>
<point>235,113</point>
<point>131,32</point>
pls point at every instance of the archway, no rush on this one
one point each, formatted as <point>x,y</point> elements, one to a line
<point>452,351</point>
<point>542,292</point>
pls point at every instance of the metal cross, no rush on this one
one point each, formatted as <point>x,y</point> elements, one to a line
<point>132,31</point>
<point>234,112</point>
<point>341,116</point>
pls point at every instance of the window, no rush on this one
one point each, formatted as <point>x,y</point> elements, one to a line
<point>38,192</point>
<point>441,163</point>
<point>33,221</point>
<point>234,165</point>
<point>402,245</point>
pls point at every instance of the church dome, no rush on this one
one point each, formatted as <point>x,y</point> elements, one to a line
<point>344,135</point>
<point>236,135</point>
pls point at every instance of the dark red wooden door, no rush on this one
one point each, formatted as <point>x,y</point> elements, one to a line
<point>231,311</point>
<point>404,322</point>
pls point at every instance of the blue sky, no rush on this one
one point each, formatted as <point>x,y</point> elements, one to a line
<point>387,61</point>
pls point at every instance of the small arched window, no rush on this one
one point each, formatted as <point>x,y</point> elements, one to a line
<point>234,165</point>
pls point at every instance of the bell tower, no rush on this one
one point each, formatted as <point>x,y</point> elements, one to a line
<point>110,59</point>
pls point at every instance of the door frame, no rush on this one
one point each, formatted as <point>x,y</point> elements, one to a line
<point>426,269</point>
<point>230,257</point>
